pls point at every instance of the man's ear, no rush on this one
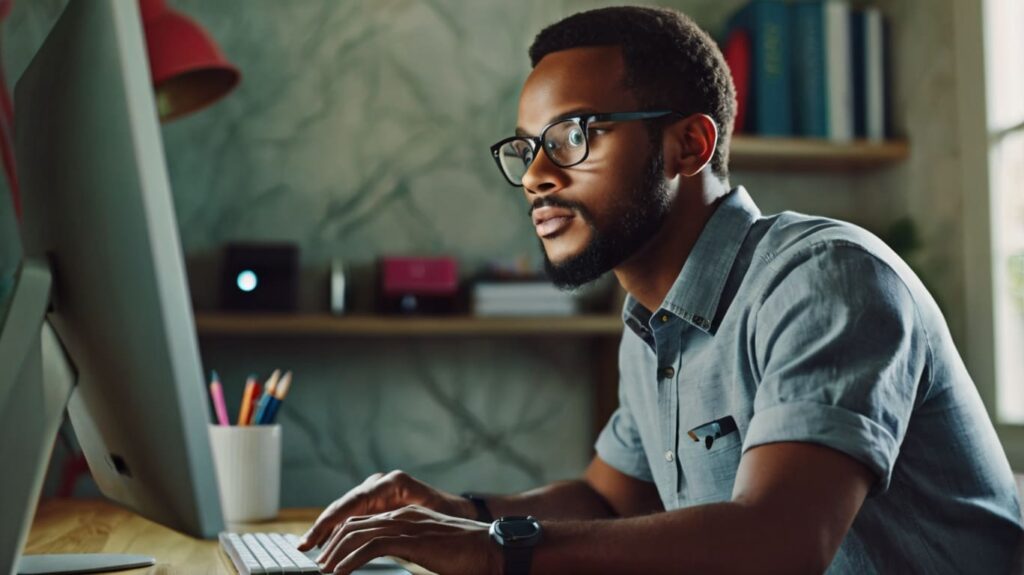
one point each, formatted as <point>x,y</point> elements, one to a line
<point>689,145</point>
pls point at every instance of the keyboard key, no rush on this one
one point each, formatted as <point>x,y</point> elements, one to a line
<point>277,554</point>
<point>260,554</point>
<point>296,556</point>
<point>244,561</point>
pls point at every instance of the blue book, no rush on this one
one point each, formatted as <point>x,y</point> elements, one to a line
<point>823,69</point>
<point>810,93</point>
<point>767,22</point>
<point>858,43</point>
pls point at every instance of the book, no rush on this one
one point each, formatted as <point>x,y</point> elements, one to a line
<point>823,70</point>
<point>737,51</point>
<point>867,37</point>
<point>519,298</point>
<point>858,43</point>
<point>809,91</point>
<point>839,66</point>
<point>877,89</point>
<point>770,105</point>
<point>523,309</point>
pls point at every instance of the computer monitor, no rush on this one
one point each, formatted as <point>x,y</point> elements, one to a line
<point>100,320</point>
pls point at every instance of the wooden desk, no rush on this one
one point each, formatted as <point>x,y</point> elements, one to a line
<point>93,526</point>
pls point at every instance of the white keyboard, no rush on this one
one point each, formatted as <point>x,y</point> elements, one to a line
<point>259,553</point>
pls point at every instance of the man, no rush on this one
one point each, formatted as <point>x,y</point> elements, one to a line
<point>790,398</point>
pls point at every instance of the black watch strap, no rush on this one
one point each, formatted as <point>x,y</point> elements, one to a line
<point>517,560</point>
<point>483,514</point>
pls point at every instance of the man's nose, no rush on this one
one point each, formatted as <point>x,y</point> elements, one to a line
<point>543,177</point>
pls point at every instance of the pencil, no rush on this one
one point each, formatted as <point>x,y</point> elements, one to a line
<point>268,393</point>
<point>246,409</point>
<point>279,395</point>
<point>254,402</point>
<point>217,393</point>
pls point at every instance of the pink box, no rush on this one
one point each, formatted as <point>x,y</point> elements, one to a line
<point>417,285</point>
<point>419,276</point>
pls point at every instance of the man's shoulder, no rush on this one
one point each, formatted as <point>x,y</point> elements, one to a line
<point>791,238</point>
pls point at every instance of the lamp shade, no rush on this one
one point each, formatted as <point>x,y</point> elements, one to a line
<point>189,71</point>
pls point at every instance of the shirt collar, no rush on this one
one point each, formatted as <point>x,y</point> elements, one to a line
<point>695,295</point>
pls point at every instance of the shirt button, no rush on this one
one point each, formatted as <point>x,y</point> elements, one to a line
<point>667,372</point>
<point>669,456</point>
<point>664,318</point>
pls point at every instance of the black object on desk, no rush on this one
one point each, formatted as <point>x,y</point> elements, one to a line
<point>260,276</point>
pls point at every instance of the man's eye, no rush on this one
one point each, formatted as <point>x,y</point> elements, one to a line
<point>576,138</point>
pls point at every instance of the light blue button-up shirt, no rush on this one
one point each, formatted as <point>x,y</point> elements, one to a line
<point>799,328</point>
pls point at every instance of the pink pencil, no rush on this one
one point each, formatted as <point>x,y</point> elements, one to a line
<point>217,393</point>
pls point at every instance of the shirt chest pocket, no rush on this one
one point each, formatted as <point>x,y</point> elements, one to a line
<point>709,456</point>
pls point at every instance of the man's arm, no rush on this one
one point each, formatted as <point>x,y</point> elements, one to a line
<point>792,505</point>
<point>603,492</point>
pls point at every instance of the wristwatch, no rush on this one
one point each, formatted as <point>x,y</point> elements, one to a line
<point>483,514</point>
<point>517,537</point>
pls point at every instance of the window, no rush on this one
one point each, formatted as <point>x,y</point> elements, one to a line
<point>1004,47</point>
<point>989,40</point>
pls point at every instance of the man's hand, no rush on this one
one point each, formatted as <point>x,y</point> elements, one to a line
<point>422,536</point>
<point>382,492</point>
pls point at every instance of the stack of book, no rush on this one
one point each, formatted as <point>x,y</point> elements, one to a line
<point>521,298</point>
<point>811,68</point>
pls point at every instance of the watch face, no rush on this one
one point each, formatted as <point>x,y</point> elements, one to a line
<point>519,528</point>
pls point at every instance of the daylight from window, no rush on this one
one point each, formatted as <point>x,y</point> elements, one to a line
<point>1005,50</point>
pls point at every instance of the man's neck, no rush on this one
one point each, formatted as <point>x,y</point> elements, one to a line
<point>649,274</point>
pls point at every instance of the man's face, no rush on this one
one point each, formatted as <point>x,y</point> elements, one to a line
<point>593,216</point>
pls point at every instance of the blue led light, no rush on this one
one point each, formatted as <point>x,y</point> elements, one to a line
<point>247,280</point>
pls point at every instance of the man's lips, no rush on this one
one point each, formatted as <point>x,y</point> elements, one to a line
<point>551,220</point>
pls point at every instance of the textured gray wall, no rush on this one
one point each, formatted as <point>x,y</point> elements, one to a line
<point>361,128</point>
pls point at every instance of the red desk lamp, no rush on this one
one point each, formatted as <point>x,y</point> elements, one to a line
<point>189,73</point>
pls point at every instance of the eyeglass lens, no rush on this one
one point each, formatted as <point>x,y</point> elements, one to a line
<point>565,144</point>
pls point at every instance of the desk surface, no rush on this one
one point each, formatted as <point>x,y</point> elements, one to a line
<point>90,526</point>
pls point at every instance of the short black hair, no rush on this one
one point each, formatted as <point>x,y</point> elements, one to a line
<point>670,62</point>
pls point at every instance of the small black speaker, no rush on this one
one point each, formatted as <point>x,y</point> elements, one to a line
<point>262,276</point>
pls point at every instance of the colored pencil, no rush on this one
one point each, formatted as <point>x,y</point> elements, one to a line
<point>279,395</point>
<point>245,410</point>
<point>268,394</point>
<point>254,402</point>
<point>217,394</point>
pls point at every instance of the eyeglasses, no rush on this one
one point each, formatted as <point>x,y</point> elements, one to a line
<point>566,143</point>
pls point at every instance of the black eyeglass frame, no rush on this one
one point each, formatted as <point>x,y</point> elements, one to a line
<point>583,122</point>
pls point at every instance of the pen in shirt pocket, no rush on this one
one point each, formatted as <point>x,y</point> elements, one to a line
<point>713,430</point>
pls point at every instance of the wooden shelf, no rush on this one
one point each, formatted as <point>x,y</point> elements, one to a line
<point>291,325</point>
<point>779,154</point>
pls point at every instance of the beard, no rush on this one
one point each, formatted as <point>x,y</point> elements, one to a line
<point>642,211</point>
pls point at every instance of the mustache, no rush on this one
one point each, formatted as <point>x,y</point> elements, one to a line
<point>553,202</point>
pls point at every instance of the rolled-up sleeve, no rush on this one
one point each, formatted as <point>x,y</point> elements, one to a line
<point>619,443</point>
<point>840,354</point>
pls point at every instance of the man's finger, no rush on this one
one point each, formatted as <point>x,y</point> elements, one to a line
<point>398,545</point>
<point>359,523</point>
<point>333,540</point>
<point>344,544</point>
<point>337,512</point>
<point>326,522</point>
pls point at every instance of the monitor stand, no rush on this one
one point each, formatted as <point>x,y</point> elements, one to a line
<point>35,386</point>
